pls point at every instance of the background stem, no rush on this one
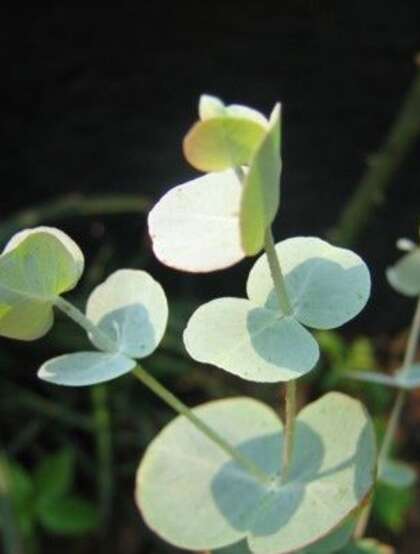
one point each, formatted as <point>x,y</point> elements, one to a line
<point>246,463</point>
<point>394,418</point>
<point>102,423</point>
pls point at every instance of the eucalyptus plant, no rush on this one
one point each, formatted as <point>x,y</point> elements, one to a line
<point>229,475</point>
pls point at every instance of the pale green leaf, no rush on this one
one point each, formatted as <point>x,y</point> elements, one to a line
<point>197,498</point>
<point>195,226</point>
<point>250,341</point>
<point>261,194</point>
<point>36,266</point>
<point>210,106</point>
<point>85,368</point>
<point>367,546</point>
<point>131,308</point>
<point>404,276</point>
<point>327,286</point>
<point>222,142</point>
<point>397,474</point>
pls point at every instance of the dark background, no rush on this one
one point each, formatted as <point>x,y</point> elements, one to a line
<point>97,100</point>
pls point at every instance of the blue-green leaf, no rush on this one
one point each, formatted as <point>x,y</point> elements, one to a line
<point>131,308</point>
<point>85,368</point>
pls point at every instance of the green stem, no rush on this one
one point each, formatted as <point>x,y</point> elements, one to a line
<point>276,273</point>
<point>71,206</point>
<point>102,422</point>
<point>395,416</point>
<point>289,429</point>
<point>76,315</point>
<point>246,463</point>
<point>381,170</point>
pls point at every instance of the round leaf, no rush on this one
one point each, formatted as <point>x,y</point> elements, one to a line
<point>261,194</point>
<point>327,286</point>
<point>197,498</point>
<point>252,342</point>
<point>195,226</point>
<point>85,368</point>
<point>404,276</point>
<point>222,142</point>
<point>131,308</point>
<point>211,106</point>
<point>397,474</point>
<point>36,266</point>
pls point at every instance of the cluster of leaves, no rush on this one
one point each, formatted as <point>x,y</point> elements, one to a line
<point>45,497</point>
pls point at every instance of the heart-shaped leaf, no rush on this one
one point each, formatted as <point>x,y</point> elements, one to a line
<point>327,286</point>
<point>261,194</point>
<point>250,341</point>
<point>404,276</point>
<point>36,266</point>
<point>197,498</point>
<point>406,378</point>
<point>131,308</point>
<point>397,474</point>
<point>225,137</point>
<point>85,368</point>
<point>195,226</point>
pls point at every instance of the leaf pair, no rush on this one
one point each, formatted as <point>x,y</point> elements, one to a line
<point>214,221</point>
<point>251,337</point>
<point>130,307</point>
<point>203,500</point>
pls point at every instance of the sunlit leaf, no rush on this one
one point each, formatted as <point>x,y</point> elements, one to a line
<point>252,342</point>
<point>261,194</point>
<point>85,368</point>
<point>397,474</point>
<point>195,226</point>
<point>225,137</point>
<point>404,276</point>
<point>36,266</point>
<point>131,308</point>
<point>327,286</point>
<point>197,498</point>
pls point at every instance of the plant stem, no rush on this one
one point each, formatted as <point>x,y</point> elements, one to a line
<point>79,317</point>
<point>276,273</point>
<point>246,463</point>
<point>102,422</point>
<point>381,170</point>
<point>289,429</point>
<point>394,418</point>
<point>73,205</point>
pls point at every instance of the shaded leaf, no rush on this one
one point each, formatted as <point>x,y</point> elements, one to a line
<point>68,516</point>
<point>131,308</point>
<point>85,368</point>
<point>197,498</point>
<point>54,475</point>
<point>397,474</point>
